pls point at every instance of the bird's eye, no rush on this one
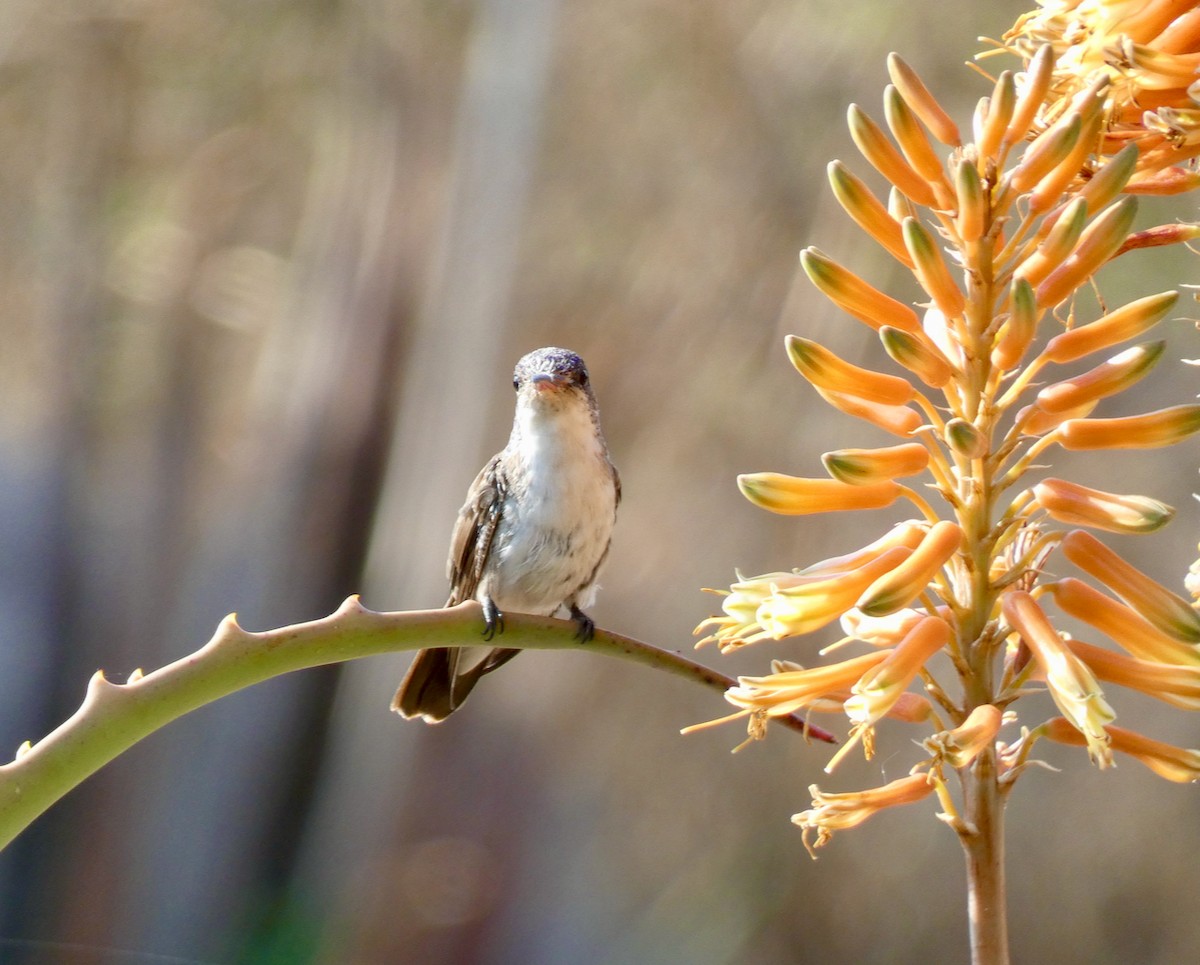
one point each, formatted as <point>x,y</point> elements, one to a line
<point>583,378</point>
<point>516,383</point>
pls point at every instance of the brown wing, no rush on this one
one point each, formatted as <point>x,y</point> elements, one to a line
<point>474,531</point>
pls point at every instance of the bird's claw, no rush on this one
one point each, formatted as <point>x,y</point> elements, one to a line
<point>584,624</point>
<point>493,620</point>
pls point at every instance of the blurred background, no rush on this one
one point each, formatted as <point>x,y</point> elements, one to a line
<point>265,268</point>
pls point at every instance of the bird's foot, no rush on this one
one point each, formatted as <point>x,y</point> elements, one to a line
<point>493,620</point>
<point>584,624</point>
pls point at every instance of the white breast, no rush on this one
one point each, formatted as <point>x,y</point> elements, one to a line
<point>558,517</point>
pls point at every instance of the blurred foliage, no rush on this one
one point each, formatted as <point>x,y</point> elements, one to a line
<point>264,270</point>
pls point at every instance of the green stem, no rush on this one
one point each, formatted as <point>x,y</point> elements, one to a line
<point>114,717</point>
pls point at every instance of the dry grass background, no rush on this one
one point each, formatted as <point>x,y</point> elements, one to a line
<point>264,270</point>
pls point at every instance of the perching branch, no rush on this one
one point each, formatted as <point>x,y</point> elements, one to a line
<point>114,717</point>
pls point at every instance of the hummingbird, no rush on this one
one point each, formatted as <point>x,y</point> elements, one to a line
<point>534,531</point>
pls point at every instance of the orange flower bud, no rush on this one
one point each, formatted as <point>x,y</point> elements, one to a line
<point>1169,612</point>
<point>1117,326</point>
<point>1037,422</point>
<point>1115,375</point>
<point>1081,506</point>
<point>994,123</point>
<point>859,466</point>
<point>1122,624</point>
<point>867,211</point>
<point>1099,243</point>
<point>882,156</point>
<point>1108,182</point>
<point>1160,236</point>
<point>1150,431</point>
<point>923,103</point>
<point>1045,152</point>
<point>1034,85</point>
<point>794,496</point>
<point>911,138</point>
<point>1058,244</point>
<point>965,439</point>
<point>930,269</point>
<point>1018,332</point>
<point>918,355</point>
<point>853,295</point>
<point>1167,761</point>
<point>1071,684</point>
<point>1173,180</point>
<point>826,371</point>
<point>896,419</point>
<point>972,205</point>
<point>898,587</point>
<point>1175,685</point>
<point>1050,187</point>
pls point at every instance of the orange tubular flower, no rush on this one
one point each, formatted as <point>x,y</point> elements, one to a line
<point>1167,611</point>
<point>958,747</point>
<point>899,420</point>
<point>794,496</point>
<point>1150,431</point>
<point>897,588</point>
<point>917,354</point>
<point>1082,506</point>
<point>1100,241</point>
<point>853,295</point>
<point>806,607</point>
<point>1071,684</point>
<point>880,153</point>
<point>930,269</point>
<point>1122,624</point>
<point>916,95</point>
<point>1173,763</point>
<point>1175,685</point>
<point>837,812</point>
<point>858,467</point>
<point>826,371</point>
<point>881,686</point>
<point>780,694</point>
<point>867,211</point>
<point>1115,375</point>
<point>1117,326</point>
<point>1019,330</point>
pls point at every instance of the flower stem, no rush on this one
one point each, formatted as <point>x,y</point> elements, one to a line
<point>982,837</point>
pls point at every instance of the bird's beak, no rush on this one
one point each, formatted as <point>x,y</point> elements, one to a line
<point>545,382</point>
